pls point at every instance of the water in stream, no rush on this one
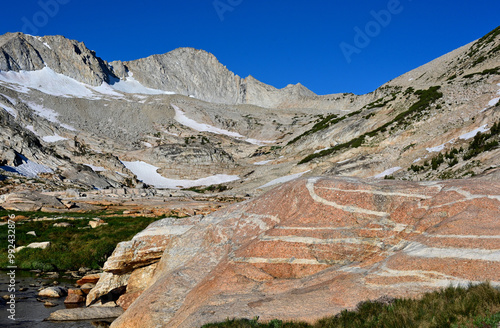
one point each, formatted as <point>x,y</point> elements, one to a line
<point>28,311</point>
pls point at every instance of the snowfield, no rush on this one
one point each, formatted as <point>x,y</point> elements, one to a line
<point>28,169</point>
<point>181,118</point>
<point>49,82</point>
<point>147,174</point>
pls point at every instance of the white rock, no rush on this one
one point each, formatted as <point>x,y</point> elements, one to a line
<point>55,291</point>
<point>42,245</point>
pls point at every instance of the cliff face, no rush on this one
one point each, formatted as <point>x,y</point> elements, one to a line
<point>312,248</point>
<point>68,57</point>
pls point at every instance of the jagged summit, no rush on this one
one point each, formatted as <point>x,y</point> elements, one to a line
<point>186,71</point>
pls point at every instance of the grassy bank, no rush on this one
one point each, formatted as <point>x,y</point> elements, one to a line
<point>71,247</point>
<point>476,306</point>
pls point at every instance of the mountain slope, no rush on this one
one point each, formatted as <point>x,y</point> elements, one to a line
<point>418,126</point>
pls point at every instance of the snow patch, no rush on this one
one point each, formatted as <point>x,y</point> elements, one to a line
<point>147,144</point>
<point>440,147</point>
<point>320,150</point>
<point>493,101</point>
<point>387,172</point>
<point>147,173</point>
<point>31,128</point>
<point>9,110</point>
<point>263,162</point>
<point>181,117</point>
<point>49,114</point>
<point>28,169</point>
<point>131,85</point>
<point>283,179</point>
<point>472,134</point>
<point>417,160</point>
<point>344,161</point>
<point>96,168</point>
<point>54,138</point>
<point>12,100</point>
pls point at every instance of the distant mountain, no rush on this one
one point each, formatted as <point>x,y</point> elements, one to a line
<point>184,71</point>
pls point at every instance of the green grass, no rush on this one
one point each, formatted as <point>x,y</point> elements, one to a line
<point>475,306</point>
<point>72,247</point>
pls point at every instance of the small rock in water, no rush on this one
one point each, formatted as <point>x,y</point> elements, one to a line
<point>6,297</point>
<point>49,304</point>
<point>22,289</point>
<point>55,283</point>
<point>53,292</point>
<point>83,270</point>
<point>74,299</point>
<point>31,233</point>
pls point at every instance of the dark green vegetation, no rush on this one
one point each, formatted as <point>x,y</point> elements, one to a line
<point>402,120</point>
<point>476,306</point>
<point>71,247</point>
<point>323,124</point>
<point>495,70</point>
<point>380,102</point>
<point>211,189</point>
<point>481,143</point>
<point>481,43</point>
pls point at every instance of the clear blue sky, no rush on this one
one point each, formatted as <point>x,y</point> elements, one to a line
<point>278,42</point>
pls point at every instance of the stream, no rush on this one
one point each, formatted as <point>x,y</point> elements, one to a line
<point>28,311</point>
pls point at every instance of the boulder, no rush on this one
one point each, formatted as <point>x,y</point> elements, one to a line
<point>41,245</point>
<point>74,299</point>
<point>30,201</point>
<point>91,278</point>
<point>54,292</point>
<point>86,288</point>
<point>96,222</point>
<point>146,247</point>
<point>90,313</point>
<point>109,283</point>
<point>316,246</point>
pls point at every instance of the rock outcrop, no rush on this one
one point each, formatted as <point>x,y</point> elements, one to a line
<point>21,52</point>
<point>315,246</point>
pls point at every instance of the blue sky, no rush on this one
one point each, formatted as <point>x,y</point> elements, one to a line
<point>317,43</point>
